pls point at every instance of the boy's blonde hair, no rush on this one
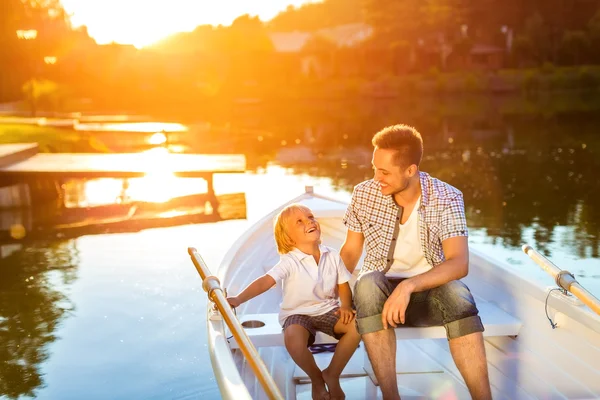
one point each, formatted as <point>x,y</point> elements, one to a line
<point>285,244</point>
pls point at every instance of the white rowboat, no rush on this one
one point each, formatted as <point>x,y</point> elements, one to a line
<point>527,357</point>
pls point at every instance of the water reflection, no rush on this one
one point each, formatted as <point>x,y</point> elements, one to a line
<point>32,305</point>
<point>516,172</point>
<point>508,191</point>
<point>525,177</point>
<point>152,188</point>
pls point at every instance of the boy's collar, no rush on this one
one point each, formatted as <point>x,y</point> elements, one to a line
<point>302,255</point>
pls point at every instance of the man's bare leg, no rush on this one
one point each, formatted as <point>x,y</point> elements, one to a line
<point>469,356</point>
<point>381,348</point>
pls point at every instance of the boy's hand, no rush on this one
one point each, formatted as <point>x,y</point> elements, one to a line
<point>346,314</point>
<point>233,301</point>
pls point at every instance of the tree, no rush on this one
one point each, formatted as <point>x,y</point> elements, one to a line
<point>29,31</point>
<point>537,32</point>
<point>318,15</point>
<point>594,34</point>
<point>522,49</point>
<point>395,20</point>
<point>38,90</point>
<point>574,45</point>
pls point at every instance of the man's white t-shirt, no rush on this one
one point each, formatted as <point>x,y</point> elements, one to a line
<point>308,288</point>
<point>409,259</point>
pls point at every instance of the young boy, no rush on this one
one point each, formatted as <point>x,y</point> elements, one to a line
<point>315,282</point>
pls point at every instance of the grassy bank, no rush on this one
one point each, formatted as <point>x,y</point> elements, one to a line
<point>547,79</point>
<point>49,139</point>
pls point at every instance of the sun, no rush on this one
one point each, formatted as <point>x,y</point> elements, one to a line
<point>143,22</point>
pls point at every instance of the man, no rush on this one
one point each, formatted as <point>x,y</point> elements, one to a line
<point>415,231</point>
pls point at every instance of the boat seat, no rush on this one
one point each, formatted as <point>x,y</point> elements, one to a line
<point>264,330</point>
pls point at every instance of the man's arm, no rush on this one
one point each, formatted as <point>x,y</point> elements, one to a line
<point>456,249</point>
<point>456,266</point>
<point>352,249</point>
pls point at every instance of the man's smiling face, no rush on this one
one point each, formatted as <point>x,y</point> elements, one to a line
<point>392,178</point>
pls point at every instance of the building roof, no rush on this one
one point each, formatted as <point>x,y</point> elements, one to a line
<point>486,49</point>
<point>342,36</point>
<point>289,42</point>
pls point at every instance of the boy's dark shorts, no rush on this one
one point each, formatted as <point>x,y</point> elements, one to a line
<point>317,323</point>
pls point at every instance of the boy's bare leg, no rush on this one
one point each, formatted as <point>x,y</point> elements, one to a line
<point>343,351</point>
<point>296,338</point>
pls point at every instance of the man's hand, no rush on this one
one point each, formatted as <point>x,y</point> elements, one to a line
<point>394,309</point>
<point>346,314</point>
<point>233,301</point>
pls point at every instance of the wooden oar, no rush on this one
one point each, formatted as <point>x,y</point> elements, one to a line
<point>212,286</point>
<point>564,279</point>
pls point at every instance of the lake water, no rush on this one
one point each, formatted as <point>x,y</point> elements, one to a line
<point>121,316</point>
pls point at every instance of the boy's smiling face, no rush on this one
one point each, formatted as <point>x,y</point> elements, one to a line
<point>302,227</point>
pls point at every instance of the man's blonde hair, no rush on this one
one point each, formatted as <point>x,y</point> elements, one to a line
<point>285,244</point>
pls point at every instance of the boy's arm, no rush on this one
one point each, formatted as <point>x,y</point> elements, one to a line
<point>345,295</point>
<point>258,286</point>
<point>346,312</point>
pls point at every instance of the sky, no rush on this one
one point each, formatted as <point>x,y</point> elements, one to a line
<point>143,22</point>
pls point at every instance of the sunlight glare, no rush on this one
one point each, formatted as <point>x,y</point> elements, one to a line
<point>157,138</point>
<point>171,214</point>
<point>28,34</point>
<point>142,23</point>
<point>155,187</point>
<point>102,191</point>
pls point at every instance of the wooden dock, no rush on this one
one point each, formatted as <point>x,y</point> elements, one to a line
<point>28,179</point>
<point>12,153</point>
<point>23,160</point>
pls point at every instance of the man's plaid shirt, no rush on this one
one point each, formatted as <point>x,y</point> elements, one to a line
<point>441,216</point>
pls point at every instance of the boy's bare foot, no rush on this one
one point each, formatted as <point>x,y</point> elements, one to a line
<point>333,384</point>
<point>319,391</point>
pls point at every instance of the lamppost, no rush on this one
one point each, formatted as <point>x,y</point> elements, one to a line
<point>29,35</point>
<point>509,37</point>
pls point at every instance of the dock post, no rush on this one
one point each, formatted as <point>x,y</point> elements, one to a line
<point>210,192</point>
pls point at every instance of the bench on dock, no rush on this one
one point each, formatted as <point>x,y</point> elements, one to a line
<point>496,322</point>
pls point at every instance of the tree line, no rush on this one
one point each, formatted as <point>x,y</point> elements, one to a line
<point>241,60</point>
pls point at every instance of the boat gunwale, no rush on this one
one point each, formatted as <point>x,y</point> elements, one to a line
<point>231,386</point>
<point>519,284</point>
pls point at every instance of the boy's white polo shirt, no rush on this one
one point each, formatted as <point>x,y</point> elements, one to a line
<point>308,288</point>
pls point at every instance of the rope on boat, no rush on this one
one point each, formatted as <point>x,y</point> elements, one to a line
<point>552,323</point>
